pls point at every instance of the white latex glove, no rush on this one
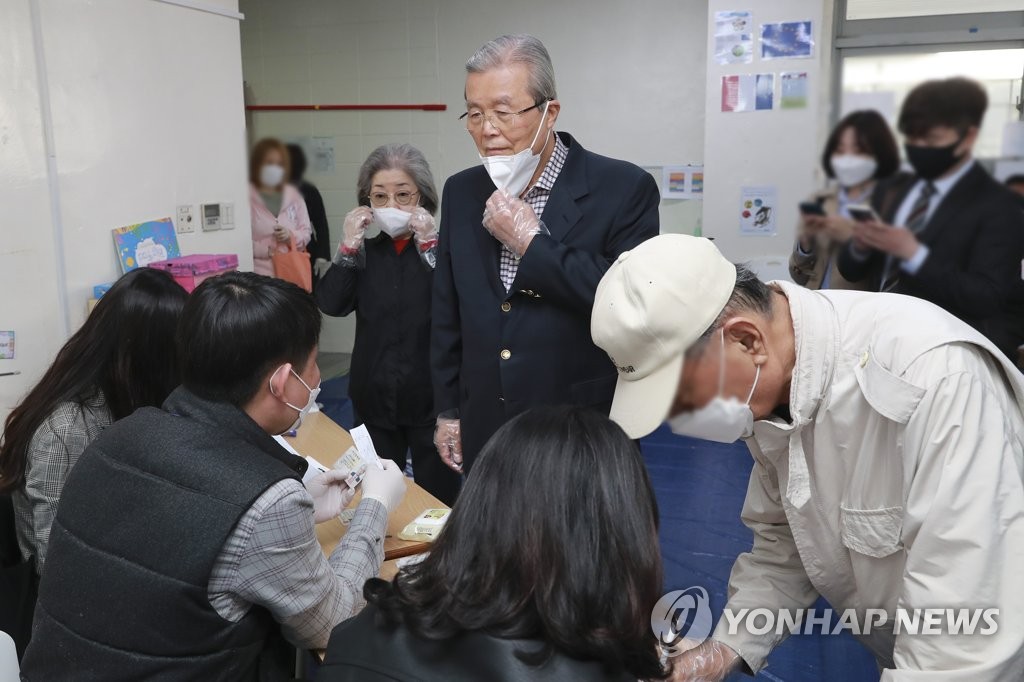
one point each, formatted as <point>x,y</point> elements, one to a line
<point>281,233</point>
<point>320,266</point>
<point>330,494</point>
<point>448,441</point>
<point>354,231</point>
<point>386,485</point>
<point>710,662</point>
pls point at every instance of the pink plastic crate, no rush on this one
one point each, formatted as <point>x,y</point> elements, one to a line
<point>191,271</point>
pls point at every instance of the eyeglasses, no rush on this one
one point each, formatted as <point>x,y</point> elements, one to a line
<point>501,120</point>
<point>403,198</point>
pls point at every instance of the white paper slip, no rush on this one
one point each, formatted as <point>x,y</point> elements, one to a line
<point>364,444</point>
<point>315,468</point>
<point>286,445</point>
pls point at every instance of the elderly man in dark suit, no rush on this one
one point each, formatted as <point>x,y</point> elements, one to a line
<point>525,239</point>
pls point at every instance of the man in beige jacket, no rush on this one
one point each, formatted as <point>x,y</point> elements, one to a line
<point>888,440</point>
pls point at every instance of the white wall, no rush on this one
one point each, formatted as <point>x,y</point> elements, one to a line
<point>147,113</point>
<point>778,147</point>
<point>630,79</point>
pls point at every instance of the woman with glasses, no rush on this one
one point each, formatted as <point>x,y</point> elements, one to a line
<point>386,281</point>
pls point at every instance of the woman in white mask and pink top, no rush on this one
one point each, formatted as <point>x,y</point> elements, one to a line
<point>277,210</point>
<point>860,151</point>
<point>384,272</point>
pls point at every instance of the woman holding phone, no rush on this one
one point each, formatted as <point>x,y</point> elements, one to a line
<point>860,151</point>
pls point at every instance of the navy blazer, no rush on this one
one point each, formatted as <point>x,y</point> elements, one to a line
<point>598,208</point>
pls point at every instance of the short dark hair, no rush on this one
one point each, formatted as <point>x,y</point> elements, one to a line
<point>1017,179</point>
<point>237,327</point>
<point>873,136</point>
<point>749,294</point>
<point>554,537</point>
<point>958,102</point>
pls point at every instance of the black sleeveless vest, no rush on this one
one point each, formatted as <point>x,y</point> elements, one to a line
<point>143,516</point>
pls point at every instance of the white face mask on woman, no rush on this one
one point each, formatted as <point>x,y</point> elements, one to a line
<point>393,221</point>
<point>723,420</point>
<point>512,172</point>
<point>852,169</point>
<point>271,175</point>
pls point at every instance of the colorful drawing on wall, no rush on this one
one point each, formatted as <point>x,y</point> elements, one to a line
<point>757,211</point>
<point>6,345</point>
<point>786,40</point>
<point>748,92</point>
<point>793,90</point>
<point>734,40</point>
<point>682,182</point>
<point>145,243</point>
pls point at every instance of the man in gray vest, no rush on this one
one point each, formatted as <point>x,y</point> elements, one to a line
<point>184,545</point>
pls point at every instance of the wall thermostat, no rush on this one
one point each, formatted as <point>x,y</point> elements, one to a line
<point>217,216</point>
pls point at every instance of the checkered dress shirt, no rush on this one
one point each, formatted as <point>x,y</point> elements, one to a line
<point>537,198</point>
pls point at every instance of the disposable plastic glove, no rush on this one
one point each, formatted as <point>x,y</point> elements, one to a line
<point>448,441</point>
<point>350,251</point>
<point>330,494</point>
<point>386,485</point>
<point>710,662</point>
<point>281,233</point>
<point>512,222</point>
<point>320,266</point>
<point>424,232</point>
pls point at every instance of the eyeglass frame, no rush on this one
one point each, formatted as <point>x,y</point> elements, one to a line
<point>412,196</point>
<point>514,114</point>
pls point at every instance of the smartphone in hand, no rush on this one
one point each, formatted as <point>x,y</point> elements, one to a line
<point>811,208</point>
<point>863,213</point>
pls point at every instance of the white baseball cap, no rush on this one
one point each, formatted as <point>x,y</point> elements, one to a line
<point>651,306</point>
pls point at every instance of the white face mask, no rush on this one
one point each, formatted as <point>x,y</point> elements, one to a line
<point>271,175</point>
<point>851,170</point>
<point>305,409</point>
<point>512,172</point>
<point>723,420</point>
<point>393,221</point>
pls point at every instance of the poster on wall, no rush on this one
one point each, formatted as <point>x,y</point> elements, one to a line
<point>734,38</point>
<point>682,182</point>
<point>793,90</point>
<point>757,211</point>
<point>6,345</point>
<point>748,92</point>
<point>786,40</point>
<point>144,243</point>
<point>323,155</point>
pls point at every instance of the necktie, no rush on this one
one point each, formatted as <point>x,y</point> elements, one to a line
<point>916,222</point>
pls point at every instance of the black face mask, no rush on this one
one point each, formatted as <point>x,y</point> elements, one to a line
<point>932,162</point>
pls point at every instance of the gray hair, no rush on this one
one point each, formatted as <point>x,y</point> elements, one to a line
<point>749,295</point>
<point>520,48</point>
<point>403,157</point>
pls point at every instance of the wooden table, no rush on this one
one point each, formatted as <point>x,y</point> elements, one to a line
<point>325,441</point>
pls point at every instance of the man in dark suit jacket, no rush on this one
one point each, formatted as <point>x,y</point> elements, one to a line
<point>950,234</point>
<point>525,239</point>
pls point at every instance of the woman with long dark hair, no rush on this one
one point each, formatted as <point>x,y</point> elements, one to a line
<point>121,359</point>
<point>548,569</point>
